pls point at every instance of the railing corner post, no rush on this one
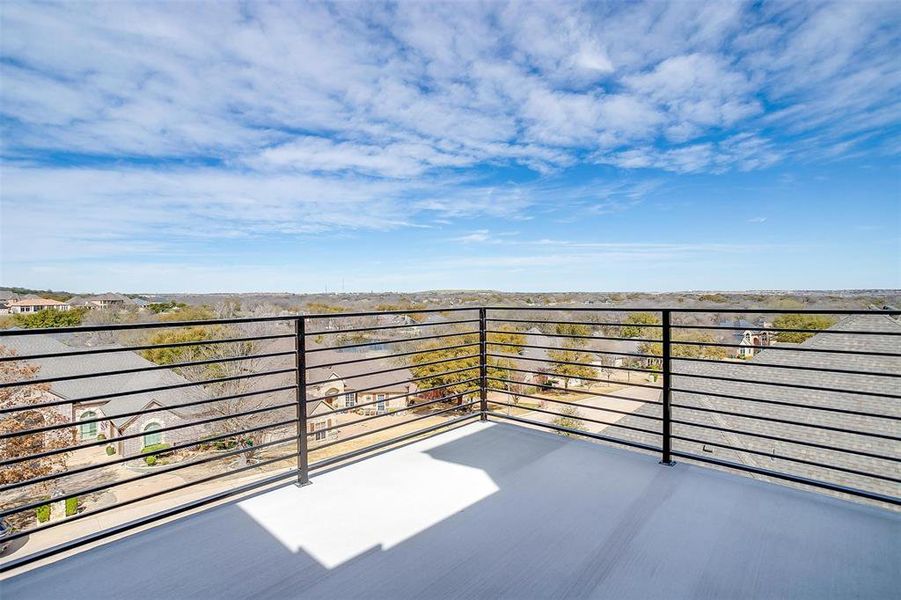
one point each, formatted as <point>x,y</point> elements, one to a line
<point>666,398</point>
<point>300,363</point>
<point>483,363</point>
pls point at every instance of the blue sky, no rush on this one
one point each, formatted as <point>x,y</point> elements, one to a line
<point>237,147</point>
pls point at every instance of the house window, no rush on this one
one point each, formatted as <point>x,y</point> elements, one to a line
<point>350,399</point>
<point>88,431</point>
<point>152,435</point>
<point>381,406</point>
<point>317,430</point>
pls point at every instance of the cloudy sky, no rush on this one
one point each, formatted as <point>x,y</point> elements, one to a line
<point>190,146</point>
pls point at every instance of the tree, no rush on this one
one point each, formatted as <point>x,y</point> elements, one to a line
<point>634,329</point>
<point>571,371</point>
<point>570,420</point>
<point>800,321</point>
<point>573,329</point>
<point>677,350</point>
<point>437,376</point>
<point>51,318</point>
<point>55,439</point>
<point>238,359</point>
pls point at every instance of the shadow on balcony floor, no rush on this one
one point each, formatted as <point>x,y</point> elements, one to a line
<point>495,510</point>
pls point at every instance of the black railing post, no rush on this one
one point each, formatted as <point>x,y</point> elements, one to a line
<point>300,364</point>
<point>483,363</point>
<point>666,397</point>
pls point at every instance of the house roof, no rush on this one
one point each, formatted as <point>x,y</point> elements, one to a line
<point>110,297</point>
<point>324,365</point>
<point>36,302</point>
<point>95,386</point>
<point>771,365</point>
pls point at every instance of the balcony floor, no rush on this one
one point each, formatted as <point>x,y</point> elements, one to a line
<point>496,510</point>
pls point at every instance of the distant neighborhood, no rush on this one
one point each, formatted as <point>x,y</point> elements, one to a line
<point>11,303</point>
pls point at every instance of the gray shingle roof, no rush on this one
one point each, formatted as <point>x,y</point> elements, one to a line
<point>695,408</point>
<point>98,363</point>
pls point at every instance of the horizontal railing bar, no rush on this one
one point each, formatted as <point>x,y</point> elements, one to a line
<point>378,445</point>
<point>593,379</point>
<point>155,325</point>
<point>576,404</point>
<point>761,311</point>
<point>386,342</point>
<point>155,494</point>
<point>364,434</point>
<point>785,330</point>
<point>129,436</point>
<point>154,473</point>
<point>387,385</point>
<point>389,412</point>
<point>382,327</point>
<point>777,438</point>
<point>589,420</point>
<point>788,348</point>
<point>788,458</point>
<point>108,350</point>
<point>142,412</point>
<point>788,477</point>
<point>172,366</point>
<point>596,436</point>
<point>375,313</point>
<point>588,323</point>
<point>557,389</point>
<point>582,350</point>
<point>145,390</point>
<point>394,369</point>
<point>566,362</point>
<point>142,521</point>
<point>730,413</point>
<point>846,411</point>
<point>745,363</point>
<point>579,337</point>
<point>407,395</point>
<point>788,385</point>
<point>389,356</point>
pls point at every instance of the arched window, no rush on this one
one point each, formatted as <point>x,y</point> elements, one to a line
<point>88,431</point>
<point>152,435</point>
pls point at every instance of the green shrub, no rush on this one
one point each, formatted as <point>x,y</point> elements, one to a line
<point>71,506</point>
<point>151,460</point>
<point>100,437</point>
<point>42,513</point>
<point>110,450</point>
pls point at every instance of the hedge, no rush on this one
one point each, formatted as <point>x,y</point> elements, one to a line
<point>71,506</point>
<point>151,460</point>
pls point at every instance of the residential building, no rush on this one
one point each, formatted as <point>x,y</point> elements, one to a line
<point>108,301</point>
<point>750,338</point>
<point>33,305</point>
<point>349,385</point>
<point>115,423</point>
<point>764,387</point>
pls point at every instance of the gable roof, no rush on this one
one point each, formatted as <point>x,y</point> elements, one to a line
<point>36,302</point>
<point>94,386</point>
<point>772,366</point>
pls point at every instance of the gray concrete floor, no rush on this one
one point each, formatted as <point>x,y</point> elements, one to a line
<point>500,511</point>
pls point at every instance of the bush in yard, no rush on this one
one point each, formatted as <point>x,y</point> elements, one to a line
<point>42,513</point>
<point>100,437</point>
<point>71,506</point>
<point>151,460</point>
<point>110,450</point>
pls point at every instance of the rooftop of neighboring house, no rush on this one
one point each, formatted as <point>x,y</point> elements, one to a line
<point>36,302</point>
<point>326,364</point>
<point>759,395</point>
<point>75,389</point>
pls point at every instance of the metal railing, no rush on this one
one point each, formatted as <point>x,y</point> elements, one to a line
<point>249,394</point>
